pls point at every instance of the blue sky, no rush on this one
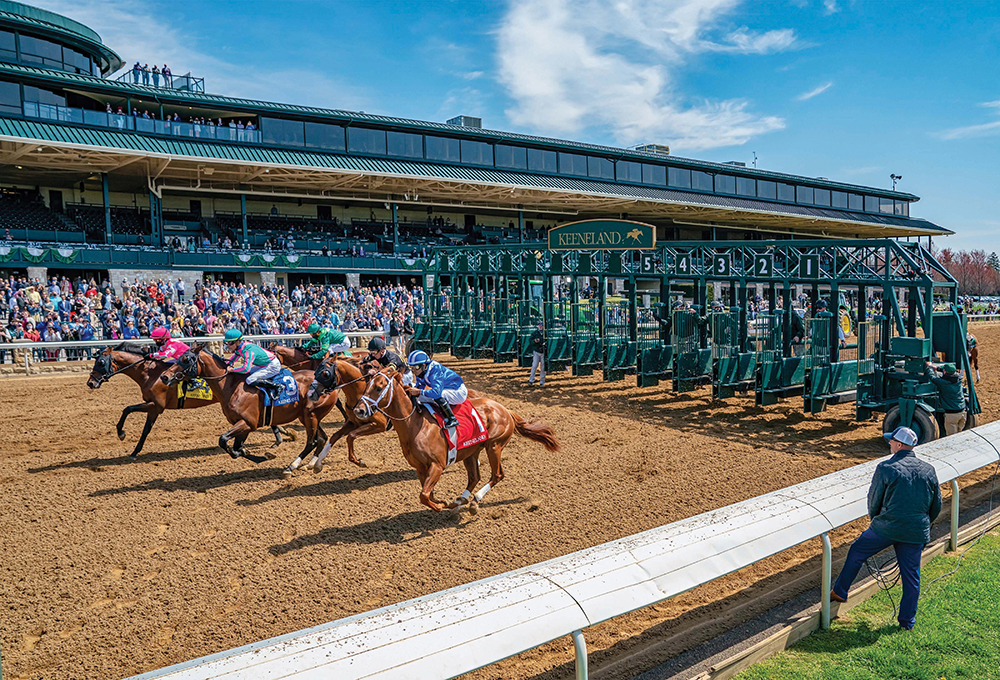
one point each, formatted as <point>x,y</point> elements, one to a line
<point>852,91</point>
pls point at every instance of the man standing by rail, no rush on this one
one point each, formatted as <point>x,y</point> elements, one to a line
<point>903,500</point>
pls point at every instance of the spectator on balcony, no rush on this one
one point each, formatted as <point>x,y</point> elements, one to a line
<point>109,109</point>
<point>156,75</point>
<point>145,74</point>
<point>274,210</point>
<point>135,72</point>
<point>168,77</point>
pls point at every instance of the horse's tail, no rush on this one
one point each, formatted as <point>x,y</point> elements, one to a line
<point>537,432</point>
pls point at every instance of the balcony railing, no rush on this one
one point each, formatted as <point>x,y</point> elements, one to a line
<point>65,114</point>
<point>184,83</point>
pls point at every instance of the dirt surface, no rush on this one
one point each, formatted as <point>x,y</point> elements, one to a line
<point>110,568</point>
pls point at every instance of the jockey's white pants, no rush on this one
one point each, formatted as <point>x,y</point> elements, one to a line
<point>453,397</point>
<point>340,347</point>
<point>264,372</point>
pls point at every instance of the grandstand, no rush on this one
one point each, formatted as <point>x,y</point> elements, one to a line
<point>103,158</point>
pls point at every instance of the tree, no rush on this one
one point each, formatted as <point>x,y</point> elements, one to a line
<point>994,262</point>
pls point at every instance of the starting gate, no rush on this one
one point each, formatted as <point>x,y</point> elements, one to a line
<point>558,329</point>
<point>529,315</point>
<point>504,330</point>
<point>734,369</point>
<point>693,364</point>
<point>461,326</point>
<point>586,337</point>
<point>482,325</point>
<point>619,353</point>
<point>654,356</point>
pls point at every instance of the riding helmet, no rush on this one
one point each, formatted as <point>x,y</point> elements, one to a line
<point>160,333</point>
<point>376,345</point>
<point>418,357</point>
<point>233,335</point>
<point>313,328</point>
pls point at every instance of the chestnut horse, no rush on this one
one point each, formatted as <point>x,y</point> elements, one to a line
<point>129,358</point>
<point>297,359</point>
<point>424,445</point>
<point>242,404</point>
<point>973,348</point>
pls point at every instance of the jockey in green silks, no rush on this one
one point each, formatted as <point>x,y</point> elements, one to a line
<point>324,340</point>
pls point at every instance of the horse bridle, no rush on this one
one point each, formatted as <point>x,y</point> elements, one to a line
<point>373,404</point>
<point>101,379</point>
<point>339,385</point>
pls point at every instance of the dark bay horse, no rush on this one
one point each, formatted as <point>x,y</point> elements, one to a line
<point>129,358</point>
<point>424,445</point>
<point>297,359</point>
<point>242,404</point>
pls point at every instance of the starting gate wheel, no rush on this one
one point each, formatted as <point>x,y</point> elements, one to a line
<point>924,424</point>
<point>971,420</point>
<point>845,323</point>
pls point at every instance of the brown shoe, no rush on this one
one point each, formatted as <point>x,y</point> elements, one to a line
<point>834,597</point>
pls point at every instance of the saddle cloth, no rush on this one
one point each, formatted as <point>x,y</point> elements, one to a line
<point>196,389</point>
<point>289,393</point>
<point>471,428</point>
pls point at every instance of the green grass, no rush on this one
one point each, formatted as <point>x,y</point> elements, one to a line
<point>957,633</point>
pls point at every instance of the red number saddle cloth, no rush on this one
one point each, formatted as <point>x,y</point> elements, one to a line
<point>471,428</point>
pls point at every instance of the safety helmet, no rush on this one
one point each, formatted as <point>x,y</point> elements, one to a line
<point>821,304</point>
<point>313,328</point>
<point>418,357</point>
<point>233,335</point>
<point>160,334</point>
<point>376,345</point>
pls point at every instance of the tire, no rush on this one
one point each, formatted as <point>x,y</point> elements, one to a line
<point>971,421</point>
<point>924,424</point>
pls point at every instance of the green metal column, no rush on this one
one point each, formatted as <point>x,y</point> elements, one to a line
<point>107,208</point>
<point>395,227</point>
<point>156,218</point>
<point>633,309</point>
<point>786,321</point>
<point>834,328</point>
<point>243,217</point>
<point>520,226</point>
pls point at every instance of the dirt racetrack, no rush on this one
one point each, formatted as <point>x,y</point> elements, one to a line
<point>110,568</point>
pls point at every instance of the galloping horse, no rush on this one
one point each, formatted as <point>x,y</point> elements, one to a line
<point>242,403</point>
<point>424,445</point>
<point>295,358</point>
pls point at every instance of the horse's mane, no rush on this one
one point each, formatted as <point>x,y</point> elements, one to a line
<point>132,348</point>
<point>218,360</point>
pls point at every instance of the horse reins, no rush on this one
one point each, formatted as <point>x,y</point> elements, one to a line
<point>374,403</point>
<point>109,376</point>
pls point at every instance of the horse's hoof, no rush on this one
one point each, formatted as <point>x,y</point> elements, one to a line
<point>317,466</point>
<point>133,457</point>
<point>233,454</point>
<point>287,474</point>
<point>275,445</point>
<point>473,508</point>
<point>360,463</point>
<point>121,435</point>
<point>269,455</point>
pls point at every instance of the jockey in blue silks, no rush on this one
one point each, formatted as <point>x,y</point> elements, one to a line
<point>438,384</point>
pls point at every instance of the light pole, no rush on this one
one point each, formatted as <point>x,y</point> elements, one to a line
<point>895,178</point>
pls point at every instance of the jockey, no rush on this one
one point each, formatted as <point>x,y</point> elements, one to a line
<point>325,340</point>
<point>437,384</point>
<point>167,350</point>
<point>379,354</point>
<point>259,364</point>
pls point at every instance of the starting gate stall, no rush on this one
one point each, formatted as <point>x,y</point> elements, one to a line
<point>461,326</point>
<point>777,376</point>
<point>558,332</point>
<point>504,330</point>
<point>692,361</point>
<point>619,351</point>
<point>654,354</point>
<point>433,333</point>
<point>529,315</point>
<point>586,337</point>
<point>735,369</point>
<point>482,326</point>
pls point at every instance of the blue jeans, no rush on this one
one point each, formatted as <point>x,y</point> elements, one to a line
<point>907,556</point>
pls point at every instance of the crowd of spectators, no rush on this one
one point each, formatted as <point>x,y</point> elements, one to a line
<point>64,310</point>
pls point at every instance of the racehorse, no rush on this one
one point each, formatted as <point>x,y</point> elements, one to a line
<point>425,447</point>
<point>129,358</point>
<point>295,358</point>
<point>242,404</point>
<point>973,348</point>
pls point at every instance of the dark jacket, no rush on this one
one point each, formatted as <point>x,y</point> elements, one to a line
<point>904,499</point>
<point>389,357</point>
<point>798,329</point>
<point>951,390</point>
<point>538,341</point>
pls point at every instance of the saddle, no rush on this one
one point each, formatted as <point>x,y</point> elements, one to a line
<point>281,390</point>
<point>471,428</point>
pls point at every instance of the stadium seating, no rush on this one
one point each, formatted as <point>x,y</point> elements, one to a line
<point>24,210</point>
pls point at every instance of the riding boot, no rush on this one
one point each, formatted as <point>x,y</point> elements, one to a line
<point>449,416</point>
<point>272,387</point>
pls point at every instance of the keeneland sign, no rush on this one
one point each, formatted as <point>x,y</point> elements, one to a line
<point>602,235</point>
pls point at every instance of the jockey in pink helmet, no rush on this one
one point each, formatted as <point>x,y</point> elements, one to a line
<point>167,350</point>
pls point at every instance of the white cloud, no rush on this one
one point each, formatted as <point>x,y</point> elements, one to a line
<point>142,31</point>
<point>830,7</point>
<point>863,170</point>
<point>569,67</point>
<point>815,92</point>
<point>981,130</point>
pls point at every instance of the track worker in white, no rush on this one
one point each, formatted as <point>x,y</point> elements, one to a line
<point>538,354</point>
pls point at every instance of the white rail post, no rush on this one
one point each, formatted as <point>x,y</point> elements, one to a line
<point>582,673</point>
<point>954,515</point>
<point>27,371</point>
<point>824,596</point>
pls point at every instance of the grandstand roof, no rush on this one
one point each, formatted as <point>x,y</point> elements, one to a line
<point>178,165</point>
<point>36,20</point>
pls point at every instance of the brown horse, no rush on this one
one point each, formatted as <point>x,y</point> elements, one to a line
<point>242,404</point>
<point>295,358</point>
<point>973,356</point>
<point>424,445</point>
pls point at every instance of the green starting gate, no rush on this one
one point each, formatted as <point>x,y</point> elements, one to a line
<point>461,326</point>
<point>586,337</point>
<point>504,329</point>
<point>619,352</point>
<point>778,376</point>
<point>654,354</point>
<point>482,316</point>
<point>558,334</point>
<point>529,315</point>
<point>734,368</point>
<point>693,363</point>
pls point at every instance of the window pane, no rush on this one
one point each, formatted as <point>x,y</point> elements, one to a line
<point>601,168</point>
<point>746,186</point>
<point>10,94</point>
<point>803,195</point>
<point>572,164</point>
<point>871,203</point>
<point>838,199</point>
<point>541,161</point>
<point>903,208</point>
<point>35,94</point>
<point>629,171</point>
<point>76,61</point>
<point>821,197</point>
<point>363,140</point>
<point>679,177</point>
<point>323,136</point>
<point>40,48</point>
<point>885,205</point>
<point>283,132</point>
<point>767,189</point>
<point>855,202</point>
<point>405,144</point>
<point>515,157</point>
<point>7,50</point>
<point>480,153</point>
<point>725,184</point>
<point>702,180</point>
<point>443,149</point>
<point>786,192</point>
<point>654,174</point>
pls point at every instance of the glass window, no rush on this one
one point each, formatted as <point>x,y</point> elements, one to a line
<point>480,153</point>
<point>283,132</point>
<point>541,161</point>
<point>572,164</point>
<point>855,202</point>
<point>38,51</point>
<point>324,136</point>
<point>36,94</point>
<point>871,203</point>
<point>702,180</point>
<point>821,197</point>
<point>443,149</point>
<point>746,186</point>
<point>628,171</point>
<point>654,174</point>
<point>601,168</point>
<point>7,49</point>
<point>679,177</point>
<point>885,205</point>
<point>76,61</point>
<point>725,184</point>
<point>838,199</point>
<point>405,144</point>
<point>515,157</point>
<point>803,195</point>
<point>767,189</point>
<point>903,208</point>
<point>364,140</point>
<point>10,97</point>
<point>786,192</point>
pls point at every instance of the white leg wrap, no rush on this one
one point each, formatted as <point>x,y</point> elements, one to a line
<point>464,498</point>
<point>322,454</point>
<point>482,492</point>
